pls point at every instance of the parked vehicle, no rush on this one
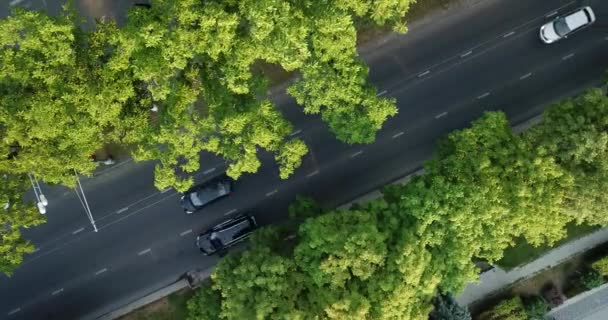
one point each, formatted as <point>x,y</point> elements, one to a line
<point>226,234</point>
<point>201,195</point>
<point>563,26</point>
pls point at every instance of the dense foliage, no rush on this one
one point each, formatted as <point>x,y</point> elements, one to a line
<point>510,309</point>
<point>390,258</point>
<point>66,92</point>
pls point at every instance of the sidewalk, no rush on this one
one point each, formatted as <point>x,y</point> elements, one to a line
<point>495,280</point>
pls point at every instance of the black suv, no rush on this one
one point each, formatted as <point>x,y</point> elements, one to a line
<point>199,196</point>
<point>226,234</point>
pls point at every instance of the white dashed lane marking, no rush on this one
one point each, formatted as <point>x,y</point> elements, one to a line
<point>568,56</point>
<point>381,93</point>
<point>398,134</point>
<point>506,35</point>
<point>272,192</point>
<point>208,171</point>
<point>122,210</point>
<point>295,133</point>
<point>56,292</point>
<point>441,115</point>
<point>551,14</point>
<point>314,173</point>
<point>527,75</point>
<point>12,312</point>
<point>101,271</point>
<point>230,212</point>
<point>424,74</point>
<point>186,232</point>
<point>466,53</point>
<point>356,153</point>
<point>166,190</point>
<point>483,96</point>
<point>78,231</point>
<point>144,252</point>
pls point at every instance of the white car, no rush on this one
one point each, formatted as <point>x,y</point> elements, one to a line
<point>562,26</point>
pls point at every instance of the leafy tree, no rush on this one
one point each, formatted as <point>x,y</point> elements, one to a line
<point>14,215</point>
<point>446,308</point>
<point>601,266</point>
<point>205,304</point>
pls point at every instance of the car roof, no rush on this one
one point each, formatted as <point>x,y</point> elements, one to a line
<point>228,233</point>
<point>577,19</point>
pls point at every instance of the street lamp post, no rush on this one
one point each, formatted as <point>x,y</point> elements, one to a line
<point>83,200</point>
<point>41,201</point>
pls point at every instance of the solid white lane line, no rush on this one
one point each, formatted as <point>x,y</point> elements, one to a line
<point>466,53</point>
<point>381,93</point>
<point>230,212</point>
<point>101,271</point>
<point>208,171</point>
<point>296,132</point>
<point>314,173</point>
<point>78,231</point>
<point>424,73</point>
<point>144,252</point>
<point>272,192</point>
<point>527,75</point>
<point>186,232</point>
<point>551,14</point>
<point>56,292</point>
<point>356,153</point>
<point>166,190</point>
<point>398,134</point>
<point>506,35</point>
<point>568,56</point>
<point>441,115</point>
<point>483,96</point>
<point>122,210</point>
<point>12,312</point>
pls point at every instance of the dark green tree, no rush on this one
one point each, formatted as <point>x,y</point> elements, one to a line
<point>446,308</point>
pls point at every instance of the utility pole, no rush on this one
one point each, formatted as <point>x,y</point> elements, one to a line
<point>83,200</point>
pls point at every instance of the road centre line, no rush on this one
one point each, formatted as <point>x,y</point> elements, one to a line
<point>144,252</point>
<point>296,132</point>
<point>166,190</point>
<point>208,171</point>
<point>483,96</point>
<point>506,35</point>
<point>56,292</point>
<point>229,212</point>
<point>314,173</point>
<point>12,312</point>
<point>185,232</point>
<point>568,56</point>
<point>381,93</point>
<point>78,231</point>
<point>122,210</point>
<point>101,271</point>
<point>466,53</point>
<point>356,153</point>
<point>441,115</point>
<point>271,192</point>
<point>420,75</point>
<point>398,134</point>
<point>527,75</point>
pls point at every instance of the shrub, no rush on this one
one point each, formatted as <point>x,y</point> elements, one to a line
<point>601,266</point>
<point>592,279</point>
<point>511,309</point>
<point>536,308</point>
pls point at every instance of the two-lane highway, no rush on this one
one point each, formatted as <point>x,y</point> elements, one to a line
<point>444,73</point>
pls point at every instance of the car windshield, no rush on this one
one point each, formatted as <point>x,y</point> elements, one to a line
<point>561,27</point>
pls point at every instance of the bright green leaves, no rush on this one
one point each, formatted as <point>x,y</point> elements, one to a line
<point>14,215</point>
<point>340,246</point>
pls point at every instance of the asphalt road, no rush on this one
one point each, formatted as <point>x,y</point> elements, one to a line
<point>444,73</point>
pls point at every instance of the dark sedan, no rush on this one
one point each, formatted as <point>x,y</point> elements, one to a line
<point>199,196</point>
<point>226,234</point>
